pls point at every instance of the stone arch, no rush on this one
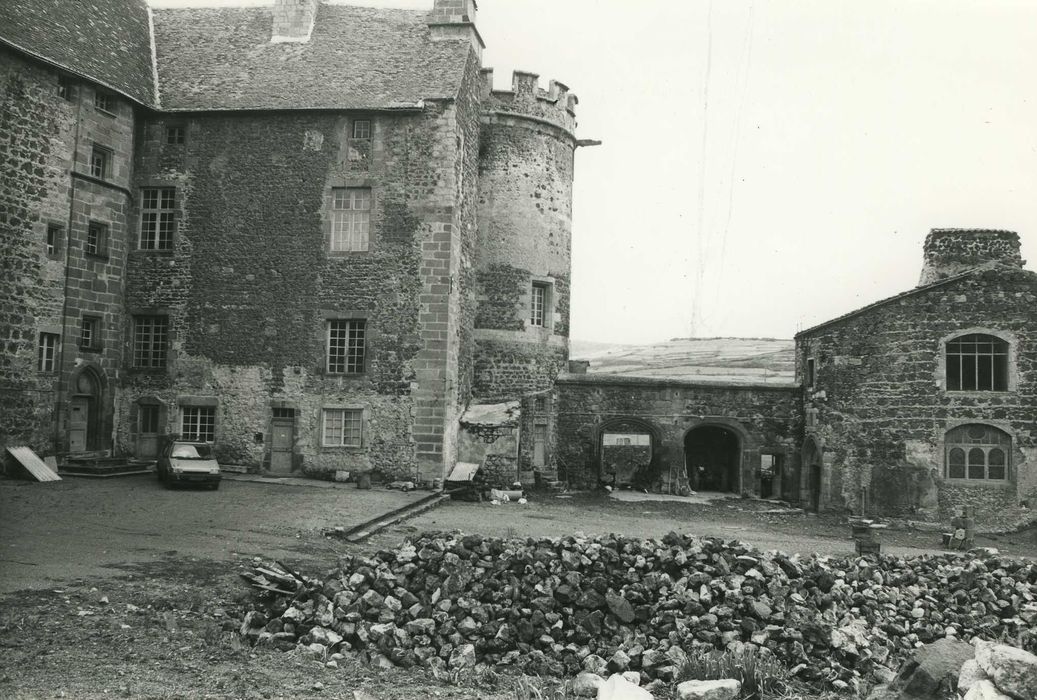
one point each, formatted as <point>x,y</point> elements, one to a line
<point>713,451</point>
<point>628,424</point>
<point>90,416</point>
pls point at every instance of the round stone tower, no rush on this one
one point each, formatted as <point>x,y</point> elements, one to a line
<point>525,231</point>
<point>952,251</point>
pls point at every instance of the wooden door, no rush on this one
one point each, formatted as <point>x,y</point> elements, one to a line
<point>147,431</point>
<point>281,444</point>
<point>79,424</point>
<point>539,445</point>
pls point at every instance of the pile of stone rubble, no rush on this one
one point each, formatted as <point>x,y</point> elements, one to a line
<point>560,606</point>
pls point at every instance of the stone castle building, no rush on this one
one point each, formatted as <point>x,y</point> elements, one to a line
<point>309,233</point>
<point>909,407</point>
<point>315,236</point>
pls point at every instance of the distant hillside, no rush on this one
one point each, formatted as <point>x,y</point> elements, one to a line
<point>735,360</point>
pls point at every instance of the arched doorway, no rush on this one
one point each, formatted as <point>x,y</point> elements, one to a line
<point>84,412</point>
<point>812,463</point>
<point>626,451</point>
<point>713,458</point>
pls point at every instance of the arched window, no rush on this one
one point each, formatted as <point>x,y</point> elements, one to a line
<point>978,452</point>
<point>977,362</point>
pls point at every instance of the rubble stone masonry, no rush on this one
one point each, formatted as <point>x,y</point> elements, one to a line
<point>880,409</point>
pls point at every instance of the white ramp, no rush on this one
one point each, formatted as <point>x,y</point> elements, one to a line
<point>28,459</point>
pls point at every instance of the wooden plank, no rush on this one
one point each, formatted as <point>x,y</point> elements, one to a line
<point>28,459</point>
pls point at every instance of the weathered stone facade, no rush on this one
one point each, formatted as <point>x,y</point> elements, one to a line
<point>245,280</point>
<point>760,420</point>
<point>880,407</point>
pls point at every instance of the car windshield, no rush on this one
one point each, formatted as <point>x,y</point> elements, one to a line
<point>181,451</point>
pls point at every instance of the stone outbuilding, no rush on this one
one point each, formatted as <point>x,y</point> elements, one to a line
<point>927,401</point>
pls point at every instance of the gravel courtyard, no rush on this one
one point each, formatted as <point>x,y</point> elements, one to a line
<point>120,587</point>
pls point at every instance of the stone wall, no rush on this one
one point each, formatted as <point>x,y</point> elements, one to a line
<point>250,283</point>
<point>47,184</point>
<point>525,227</point>
<point>879,409</point>
<point>764,419</point>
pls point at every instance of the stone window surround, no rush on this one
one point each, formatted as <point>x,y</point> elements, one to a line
<point>337,183</point>
<point>941,362</point>
<point>1015,457</point>
<point>51,332</point>
<point>105,102</point>
<point>550,305</point>
<point>131,314</point>
<point>322,341</point>
<point>100,165</point>
<point>96,323</point>
<point>138,213</point>
<point>364,417</point>
<point>53,246</point>
<point>356,124</point>
<point>810,372</point>
<point>191,401</point>
<point>103,231</point>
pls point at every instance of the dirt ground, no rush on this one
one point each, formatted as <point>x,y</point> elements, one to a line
<point>120,588</point>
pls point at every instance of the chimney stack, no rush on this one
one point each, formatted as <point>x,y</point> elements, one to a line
<point>952,251</point>
<point>454,20</point>
<point>293,20</point>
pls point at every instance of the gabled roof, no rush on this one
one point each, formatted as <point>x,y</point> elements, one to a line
<point>946,282</point>
<point>105,41</point>
<point>356,58</point>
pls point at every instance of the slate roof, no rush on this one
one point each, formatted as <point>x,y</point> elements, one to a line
<point>947,281</point>
<point>356,58</point>
<point>106,41</point>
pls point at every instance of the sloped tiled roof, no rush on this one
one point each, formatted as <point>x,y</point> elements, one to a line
<point>106,41</point>
<point>356,58</point>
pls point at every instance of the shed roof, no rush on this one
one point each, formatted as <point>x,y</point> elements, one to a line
<point>356,58</point>
<point>105,41</point>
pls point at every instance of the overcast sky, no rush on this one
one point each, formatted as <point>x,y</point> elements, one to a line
<point>770,164</point>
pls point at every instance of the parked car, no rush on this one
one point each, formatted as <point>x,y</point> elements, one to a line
<point>188,463</point>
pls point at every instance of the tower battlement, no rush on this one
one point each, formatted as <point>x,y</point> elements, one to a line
<point>555,104</point>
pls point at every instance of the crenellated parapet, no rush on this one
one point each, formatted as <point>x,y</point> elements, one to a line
<point>555,105</point>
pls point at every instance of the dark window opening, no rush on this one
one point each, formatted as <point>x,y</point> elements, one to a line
<point>100,162</point>
<point>977,362</point>
<point>96,239</point>
<point>90,332</point>
<point>174,135</point>
<point>104,102</point>
<point>811,372</point>
<point>361,128</point>
<point>66,89</point>
<point>54,236</point>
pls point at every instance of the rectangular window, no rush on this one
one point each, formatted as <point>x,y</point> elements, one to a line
<point>147,418</point>
<point>346,341</point>
<point>66,88</point>
<point>90,332</point>
<point>198,424</point>
<point>811,372</point>
<point>343,427</point>
<point>150,341</point>
<point>540,404</point>
<point>104,102</point>
<point>538,307</point>
<point>48,352</point>
<point>350,218</point>
<point>96,239</point>
<point>100,161</point>
<point>174,135</point>
<point>157,218</point>
<point>361,128</point>
<point>54,237</point>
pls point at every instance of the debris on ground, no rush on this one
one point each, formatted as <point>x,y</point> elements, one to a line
<point>547,606</point>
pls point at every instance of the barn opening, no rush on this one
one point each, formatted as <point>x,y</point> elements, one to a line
<point>712,456</point>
